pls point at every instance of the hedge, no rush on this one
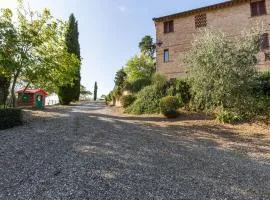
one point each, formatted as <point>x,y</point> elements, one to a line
<point>10,117</point>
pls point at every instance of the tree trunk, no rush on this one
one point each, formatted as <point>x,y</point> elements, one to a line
<point>4,89</point>
<point>16,75</point>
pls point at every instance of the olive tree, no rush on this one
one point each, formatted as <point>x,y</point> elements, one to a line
<point>222,70</point>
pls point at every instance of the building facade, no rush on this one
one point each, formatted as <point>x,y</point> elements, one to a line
<point>176,32</point>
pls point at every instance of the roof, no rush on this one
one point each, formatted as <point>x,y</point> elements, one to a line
<point>202,9</point>
<point>33,91</point>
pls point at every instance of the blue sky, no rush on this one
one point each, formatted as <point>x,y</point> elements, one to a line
<point>110,30</point>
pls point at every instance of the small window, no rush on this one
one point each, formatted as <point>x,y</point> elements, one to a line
<point>200,20</point>
<point>166,55</point>
<point>267,56</point>
<point>264,41</point>
<point>168,27</point>
<point>258,8</point>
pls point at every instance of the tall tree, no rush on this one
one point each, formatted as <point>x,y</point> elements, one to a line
<point>147,46</point>
<point>73,47</point>
<point>95,91</point>
<point>120,78</point>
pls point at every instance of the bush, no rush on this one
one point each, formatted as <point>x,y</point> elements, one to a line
<point>262,84</point>
<point>127,100</point>
<point>10,117</point>
<point>228,117</point>
<point>169,106</point>
<point>181,89</point>
<point>137,85</point>
<point>160,80</point>
<point>147,101</point>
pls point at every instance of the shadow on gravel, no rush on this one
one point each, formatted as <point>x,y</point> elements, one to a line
<point>99,156</point>
<point>172,162</point>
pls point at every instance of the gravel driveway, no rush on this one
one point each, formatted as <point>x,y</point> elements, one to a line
<point>85,152</point>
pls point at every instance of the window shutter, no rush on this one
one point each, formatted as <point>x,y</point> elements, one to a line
<point>165,27</point>
<point>262,7</point>
<point>254,10</point>
<point>171,26</point>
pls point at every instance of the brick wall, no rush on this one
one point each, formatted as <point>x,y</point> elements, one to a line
<point>231,20</point>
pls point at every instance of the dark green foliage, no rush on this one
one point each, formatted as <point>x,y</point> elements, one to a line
<point>72,41</point>
<point>120,78</point>
<point>169,106</point>
<point>137,85</point>
<point>10,117</point>
<point>147,46</point>
<point>181,89</point>
<point>147,101</point>
<point>4,87</point>
<point>262,84</point>
<point>66,94</point>
<point>95,91</point>
<point>127,100</point>
<point>261,94</point>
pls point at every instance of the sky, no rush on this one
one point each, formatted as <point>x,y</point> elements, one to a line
<point>110,30</point>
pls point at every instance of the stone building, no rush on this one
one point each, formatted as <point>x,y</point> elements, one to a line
<point>176,32</point>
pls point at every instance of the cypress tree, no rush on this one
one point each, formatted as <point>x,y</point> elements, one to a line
<point>73,45</point>
<point>95,91</point>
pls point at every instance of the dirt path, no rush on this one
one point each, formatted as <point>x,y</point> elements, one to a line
<point>88,152</point>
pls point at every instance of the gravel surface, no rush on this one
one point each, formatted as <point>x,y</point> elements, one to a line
<point>87,152</point>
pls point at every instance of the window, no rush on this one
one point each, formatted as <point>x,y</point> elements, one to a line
<point>166,55</point>
<point>200,20</point>
<point>264,41</point>
<point>168,27</point>
<point>267,56</point>
<point>258,8</point>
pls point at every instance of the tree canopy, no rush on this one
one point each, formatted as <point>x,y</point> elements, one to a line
<point>147,46</point>
<point>33,49</point>
<point>222,70</point>
<point>139,67</point>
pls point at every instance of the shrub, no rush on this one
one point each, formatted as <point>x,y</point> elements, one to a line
<point>225,116</point>
<point>10,117</point>
<point>147,101</point>
<point>169,106</point>
<point>262,84</point>
<point>180,88</point>
<point>127,100</point>
<point>137,85</point>
<point>222,70</point>
<point>160,80</point>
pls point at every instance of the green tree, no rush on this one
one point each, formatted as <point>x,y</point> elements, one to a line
<point>73,47</point>
<point>139,67</point>
<point>33,49</point>
<point>120,78</point>
<point>95,91</point>
<point>222,70</point>
<point>147,46</point>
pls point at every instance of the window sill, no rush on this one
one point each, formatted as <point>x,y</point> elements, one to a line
<point>258,15</point>
<point>168,33</point>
